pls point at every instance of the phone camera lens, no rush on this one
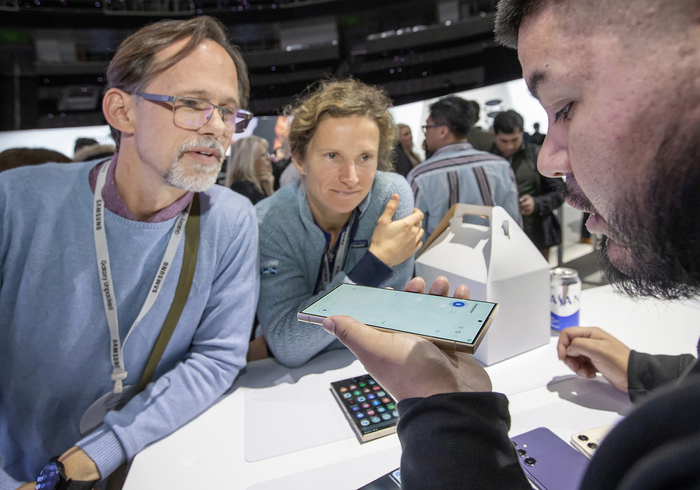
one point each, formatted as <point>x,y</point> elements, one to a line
<point>593,445</point>
<point>583,437</point>
<point>522,453</point>
<point>530,461</point>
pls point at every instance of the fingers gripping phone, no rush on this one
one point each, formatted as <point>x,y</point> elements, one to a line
<point>450,323</point>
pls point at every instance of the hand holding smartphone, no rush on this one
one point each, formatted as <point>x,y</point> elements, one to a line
<point>451,324</point>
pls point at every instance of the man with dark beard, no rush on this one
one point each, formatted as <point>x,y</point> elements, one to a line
<point>605,71</point>
<point>144,235</point>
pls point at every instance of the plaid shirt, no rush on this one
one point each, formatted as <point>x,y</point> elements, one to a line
<point>458,173</point>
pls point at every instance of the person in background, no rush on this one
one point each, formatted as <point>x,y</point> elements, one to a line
<point>281,155</point>
<point>93,152</point>
<point>456,172</point>
<point>22,157</point>
<point>537,137</point>
<point>479,138</point>
<point>249,171</point>
<point>595,69</point>
<point>348,220</point>
<point>91,257</point>
<point>405,158</point>
<point>81,143</point>
<point>540,196</point>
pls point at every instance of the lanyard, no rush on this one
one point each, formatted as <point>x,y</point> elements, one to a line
<point>105,274</point>
<point>342,250</point>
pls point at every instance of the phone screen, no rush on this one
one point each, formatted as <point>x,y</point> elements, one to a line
<point>451,319</point>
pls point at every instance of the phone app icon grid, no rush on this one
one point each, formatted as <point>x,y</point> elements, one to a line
<point>368,402</point>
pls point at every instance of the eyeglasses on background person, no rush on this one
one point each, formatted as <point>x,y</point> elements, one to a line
<point>426,126</point>
<point>192,113</point>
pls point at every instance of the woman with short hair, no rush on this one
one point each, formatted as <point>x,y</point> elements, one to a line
<point>349,219</point>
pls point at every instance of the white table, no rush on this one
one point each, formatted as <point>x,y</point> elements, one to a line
<point>281,428</point>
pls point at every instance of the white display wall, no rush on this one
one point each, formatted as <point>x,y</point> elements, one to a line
<point>512,95</point>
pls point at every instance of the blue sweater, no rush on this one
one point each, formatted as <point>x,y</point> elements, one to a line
<point>291,250</point>
<point>54,339</point>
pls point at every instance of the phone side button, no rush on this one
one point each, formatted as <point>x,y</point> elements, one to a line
<point>318,320</point>
<point>303,317</point>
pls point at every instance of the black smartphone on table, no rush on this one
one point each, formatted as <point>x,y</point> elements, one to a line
<point>370,410</point>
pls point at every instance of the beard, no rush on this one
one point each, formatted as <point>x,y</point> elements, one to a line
<point>195,177</point>
<point>660,228</point>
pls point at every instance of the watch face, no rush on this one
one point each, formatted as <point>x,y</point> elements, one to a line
<point>48,478</point>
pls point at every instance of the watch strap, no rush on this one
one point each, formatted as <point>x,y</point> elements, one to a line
<point>76,485</point>
<point>65,483</point>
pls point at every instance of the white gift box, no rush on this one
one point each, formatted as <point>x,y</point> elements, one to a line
<point>498,263</point>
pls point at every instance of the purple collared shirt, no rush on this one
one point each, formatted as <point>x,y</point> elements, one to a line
<point>114,202</point>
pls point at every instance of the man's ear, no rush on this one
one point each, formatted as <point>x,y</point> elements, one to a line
<point>299,165</point>
<point>117,108</point>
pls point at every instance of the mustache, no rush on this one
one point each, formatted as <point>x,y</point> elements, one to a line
<point>202,143</point>
<point>575,196</point>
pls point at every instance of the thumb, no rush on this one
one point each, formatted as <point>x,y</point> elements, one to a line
<point>356,336</point>
<point>391,208</point>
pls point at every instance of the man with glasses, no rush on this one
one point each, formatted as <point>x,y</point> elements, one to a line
<point>456,172</point>
<point>95,273</point>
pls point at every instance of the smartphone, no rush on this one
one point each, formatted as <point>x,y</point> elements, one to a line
<point>588,441</point>
<point>390,481</point>
<point>370,410</point>
<point>548,461</point>
<point>450,323</point>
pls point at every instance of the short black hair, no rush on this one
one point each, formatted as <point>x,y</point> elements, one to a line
<point>477,108</point>
<point>508,122</point>
<point>456,113</point>
<point>510,14</point>
<point>628,20</point>
<point>83,142</point>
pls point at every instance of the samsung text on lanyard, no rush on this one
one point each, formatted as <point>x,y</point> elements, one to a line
<point>109,299</point>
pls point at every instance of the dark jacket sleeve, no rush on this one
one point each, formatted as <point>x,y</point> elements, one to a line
<point>551,191</point>
<point>456,441</point>
<point>646,372</point>
<point>657,446</point>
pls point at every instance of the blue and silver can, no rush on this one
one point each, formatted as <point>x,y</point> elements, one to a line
<point>565,298</point>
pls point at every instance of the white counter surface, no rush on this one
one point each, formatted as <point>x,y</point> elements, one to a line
<point>280,428</point>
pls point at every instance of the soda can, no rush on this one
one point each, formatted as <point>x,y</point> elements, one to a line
<point>565,298</point>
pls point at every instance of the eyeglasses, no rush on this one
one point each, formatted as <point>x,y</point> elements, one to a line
<point>426,126</point>
<point>191,113</point>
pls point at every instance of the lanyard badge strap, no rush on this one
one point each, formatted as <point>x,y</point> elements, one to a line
<point>340,257</point>
<point>109,299</point>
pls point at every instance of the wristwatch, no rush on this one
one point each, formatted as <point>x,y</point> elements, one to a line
<point>53,477</point>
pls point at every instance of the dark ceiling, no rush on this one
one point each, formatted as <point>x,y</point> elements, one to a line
<point>53,53</point>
